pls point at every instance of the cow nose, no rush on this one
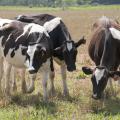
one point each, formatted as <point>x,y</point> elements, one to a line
<point>96,97</point>
<point>31,70</point>
<point>71,68</point>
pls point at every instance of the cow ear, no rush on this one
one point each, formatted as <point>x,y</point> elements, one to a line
<point>58,50</point>
<point>81,41</point>
<point>87,70</point>
<point>114,74</point>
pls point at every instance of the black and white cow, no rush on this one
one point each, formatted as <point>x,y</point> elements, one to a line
<point>65,48</point>
<point>26,46</point>
<point>104,50</point>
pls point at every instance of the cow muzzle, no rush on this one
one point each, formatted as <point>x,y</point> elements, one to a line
<point>31,70</point>
<point>96,96</point>
<point>71,68</point>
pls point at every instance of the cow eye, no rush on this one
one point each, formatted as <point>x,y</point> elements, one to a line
<point>38,47</point>
<point>75,49</point>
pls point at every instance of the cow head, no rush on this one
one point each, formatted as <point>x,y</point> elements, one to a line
<point>35,57</point>
<point>69,51</point>
<point>100,77</point>
<point>24,18</point>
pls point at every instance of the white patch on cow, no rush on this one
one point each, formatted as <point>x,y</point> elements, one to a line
<point>38,28</point>
<point>99,74</point>
<point>18,59</point>
<point>34,28</point>
<point>69,46</point>
<point>52,24</point>
<point>1,48</point>
<point>95,95</point>
<point>25,30</point>
<point>4,21</point>
<point>31,51</point>
<point>115,33</point>
<point>9,37</point>
<point>19,16</point>
<point>1,40</point>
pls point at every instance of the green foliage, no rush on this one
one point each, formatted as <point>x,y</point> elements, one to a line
<point>81,75</point>
<point>55,3</point>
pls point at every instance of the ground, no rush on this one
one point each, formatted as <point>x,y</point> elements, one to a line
<point>79,105</point>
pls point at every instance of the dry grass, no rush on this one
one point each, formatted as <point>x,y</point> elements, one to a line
<point>79,106</point>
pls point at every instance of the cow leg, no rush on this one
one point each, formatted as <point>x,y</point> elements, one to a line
<point>1,75</point>
<point>31,87</point>
<point>119,78</point>
<point>44,82</point>
<point>63,73</point>
<point>118,82</point>
<point>14,85</point>
<point>110,83</point>
<point>7,70</point>
<point>24,87</point>
<point>52,88</point>
<point>111,86</point>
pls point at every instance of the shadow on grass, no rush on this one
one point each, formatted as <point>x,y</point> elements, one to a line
<point>110,106</point>
<point>71,99</point>
<point>34,100</point>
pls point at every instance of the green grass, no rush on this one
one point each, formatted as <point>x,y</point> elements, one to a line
<point>84,7</point>
<point>78,106</point>
<point>99,7</point>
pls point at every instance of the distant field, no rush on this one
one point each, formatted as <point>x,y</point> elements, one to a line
<point>88,7</point>
<point>79,106</point>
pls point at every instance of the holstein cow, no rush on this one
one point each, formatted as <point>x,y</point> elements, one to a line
<point>26,46</point>
<point>104,50</point>
<point>65,48</point>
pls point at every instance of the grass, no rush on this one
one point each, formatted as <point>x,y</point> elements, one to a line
<point>83,7</point>
<point>79,105</point>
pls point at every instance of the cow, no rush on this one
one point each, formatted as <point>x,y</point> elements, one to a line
<point>27,46</point>
<point>104,50</point>
<point>65,49</point>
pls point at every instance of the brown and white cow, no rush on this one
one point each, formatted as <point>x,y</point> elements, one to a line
<point>104,50</point>
<point>26,46</point>
<point>65,49</point>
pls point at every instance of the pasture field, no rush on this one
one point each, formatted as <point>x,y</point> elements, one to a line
<point>79,105</point>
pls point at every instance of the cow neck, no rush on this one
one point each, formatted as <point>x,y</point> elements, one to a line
<point>109,52</point>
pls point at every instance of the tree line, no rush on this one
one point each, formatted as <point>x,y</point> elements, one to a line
<point>57,3</point>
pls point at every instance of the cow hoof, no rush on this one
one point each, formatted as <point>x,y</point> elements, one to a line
<point>45,100</point>
<point>66,93</point>
<point>1,93</point>
<point>7,93</point>
<point>30,90</point>
<point>52,92</point>
<point>8,97</point>
<point>24,90</point>
<point>14,89</point>
<point>24,87</point>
